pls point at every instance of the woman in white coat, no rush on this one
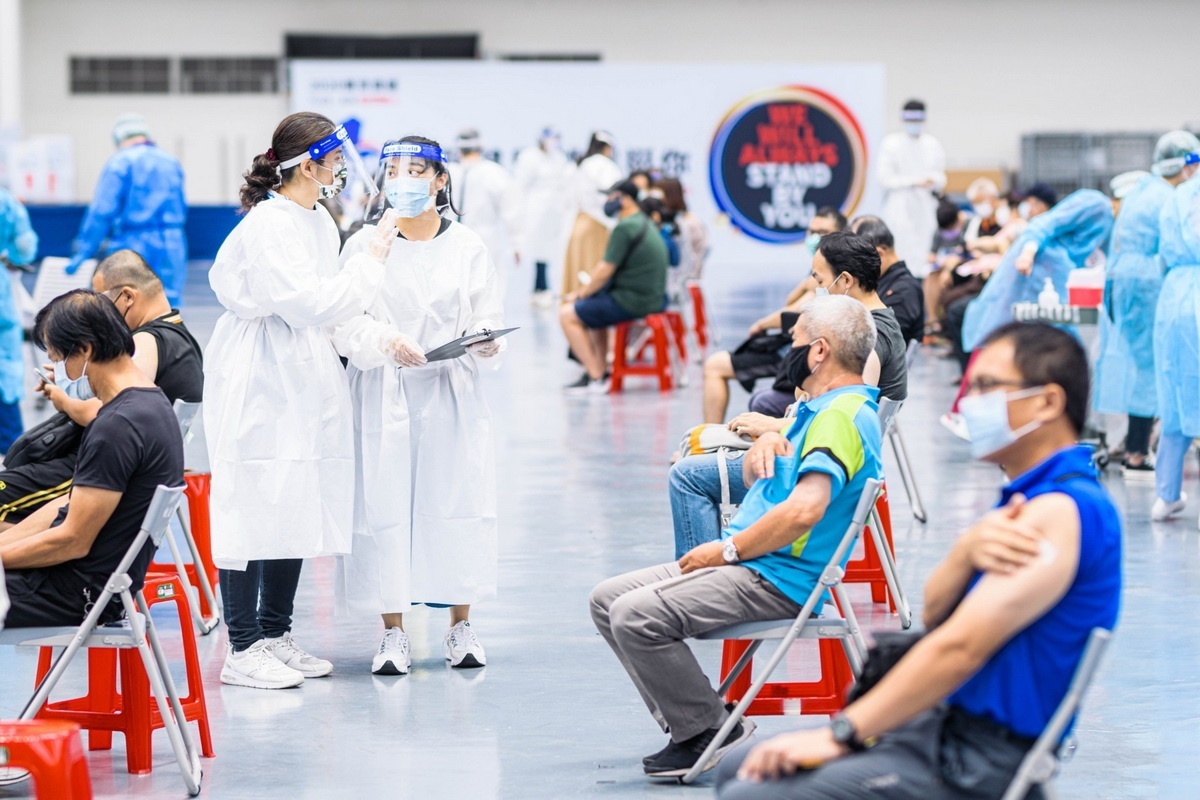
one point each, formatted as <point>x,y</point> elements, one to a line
<point>425,511</point>
<point>276,398</point>
<point>589,233</point>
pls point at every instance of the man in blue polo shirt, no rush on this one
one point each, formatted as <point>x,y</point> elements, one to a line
<point>805,489</point>
<point>1009,610</point>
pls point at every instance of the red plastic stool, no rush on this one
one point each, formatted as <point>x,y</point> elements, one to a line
<point>52,753</point>
<point>133,712</point>
<point>659,343</point>
<point>678,332</point>
<point>196,490</point>
<point>699,315</point>
<point>869,569</point>
<point>826,695</point>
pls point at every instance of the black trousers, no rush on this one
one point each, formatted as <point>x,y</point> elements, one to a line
<point>53,596</point>
<point>25,489</point>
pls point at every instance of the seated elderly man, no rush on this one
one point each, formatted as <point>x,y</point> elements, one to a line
<point>165,351</point>
<point>1008,611</point>
<point>805,488</point>
<point>58,560</point>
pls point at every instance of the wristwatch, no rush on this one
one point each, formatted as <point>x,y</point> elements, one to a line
<point>729,552</point>
<point>845,733</point>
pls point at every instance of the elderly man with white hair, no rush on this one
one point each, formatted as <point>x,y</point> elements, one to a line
<point>805,481</point>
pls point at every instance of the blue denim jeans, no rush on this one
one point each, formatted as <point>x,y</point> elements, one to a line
<point>259,600</point>
<point>695,489</point>
<point>1168,465</point>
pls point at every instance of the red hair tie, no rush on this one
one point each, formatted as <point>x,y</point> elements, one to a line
<point>271,154</point>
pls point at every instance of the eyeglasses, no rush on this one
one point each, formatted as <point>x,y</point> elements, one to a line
<point>985,385</point>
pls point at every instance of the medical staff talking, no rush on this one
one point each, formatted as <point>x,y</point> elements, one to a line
<point>1177,340</point>
<point>139,205</point>
<point>425,516</point>
<point>18,246</point>
<point>277,407</point>
<point>1125,382</point>
<point>912,169</point>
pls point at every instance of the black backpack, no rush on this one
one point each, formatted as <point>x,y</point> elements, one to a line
<point>55,438</point>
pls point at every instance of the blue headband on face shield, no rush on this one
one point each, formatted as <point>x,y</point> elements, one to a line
<point>413,150</point>
<point>319,150</point>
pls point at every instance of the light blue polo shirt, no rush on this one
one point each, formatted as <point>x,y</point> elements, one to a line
<point>837,434</point>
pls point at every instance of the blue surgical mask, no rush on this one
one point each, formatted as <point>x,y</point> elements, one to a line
<point>986,416</point>
<point>612,207</point>
<point>823,292</point>
<point>914,129</point>
<point>409,196</point>
<point>78,388</point>
<point>812,242</point>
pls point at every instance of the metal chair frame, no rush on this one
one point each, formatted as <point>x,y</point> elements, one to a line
<point>186,414</point>
<point>805,625</point>
<point>139,632</point>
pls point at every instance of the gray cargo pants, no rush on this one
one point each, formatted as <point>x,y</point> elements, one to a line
<point>646,615</point>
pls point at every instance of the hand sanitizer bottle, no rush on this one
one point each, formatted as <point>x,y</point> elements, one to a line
<point>1048,297</point>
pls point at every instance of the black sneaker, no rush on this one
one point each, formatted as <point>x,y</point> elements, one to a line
<point>586,384</point>
<point>729,707</point>
<point>678,758</point>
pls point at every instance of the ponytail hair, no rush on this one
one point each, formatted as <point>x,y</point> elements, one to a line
<point>292,137</point>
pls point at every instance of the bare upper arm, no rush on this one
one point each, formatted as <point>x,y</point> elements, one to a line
<point>145,354</point>
<point>1000,606</point>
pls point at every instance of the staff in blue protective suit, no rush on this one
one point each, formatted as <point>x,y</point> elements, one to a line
<point>1177,342</point>
<point>139,205</point>
<point>1125,370</point>
<point>1053,244</point>
<point>18,246</point>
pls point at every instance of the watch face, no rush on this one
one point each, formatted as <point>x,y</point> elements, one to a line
<point>729,551</point>
<point>843,729</point>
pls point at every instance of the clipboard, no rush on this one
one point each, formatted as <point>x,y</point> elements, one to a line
<point>458,347</point>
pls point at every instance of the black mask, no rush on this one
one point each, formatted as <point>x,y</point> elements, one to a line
<point>612,207</point>
<point>795,365</point>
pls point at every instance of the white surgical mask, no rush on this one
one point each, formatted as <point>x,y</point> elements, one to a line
<point>985,210</point>
<point>914,129</point>
<point>1003,214</point>
<point>409,196</point>
<point>76,388</point>
<point>986,416</point>
<point>1023,209</point>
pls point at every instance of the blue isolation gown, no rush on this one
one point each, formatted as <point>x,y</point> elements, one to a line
<point>1125,369</point>
<point>1065,235</point>
<point>18,243</point>
<point>1177,319</point>
<point>139,205</point>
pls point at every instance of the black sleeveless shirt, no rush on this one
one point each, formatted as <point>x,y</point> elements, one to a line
<point>180,359</point>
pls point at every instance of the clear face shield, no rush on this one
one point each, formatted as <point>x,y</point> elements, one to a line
<point>408,179</point>
<point>336,155</point>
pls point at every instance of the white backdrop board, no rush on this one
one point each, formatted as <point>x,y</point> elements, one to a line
<point>758,147</point>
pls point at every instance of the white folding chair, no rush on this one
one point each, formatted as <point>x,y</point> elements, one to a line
<point>138,632</point>
<point>186,414</point>
<point>805,625</point>
<point>1043,760</point>
<point>888,409</point>
<point>892,432</point>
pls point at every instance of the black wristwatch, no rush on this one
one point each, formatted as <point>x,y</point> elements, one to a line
<point>845,733</point>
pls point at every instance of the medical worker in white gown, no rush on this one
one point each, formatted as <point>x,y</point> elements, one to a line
<point>277,408</point>
<point>487,202</point>
<point>425,511</point>
<point>912,171</point>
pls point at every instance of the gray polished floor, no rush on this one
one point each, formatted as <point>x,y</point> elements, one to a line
<point>583,496</point>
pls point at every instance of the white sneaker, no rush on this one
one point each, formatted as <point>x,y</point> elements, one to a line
<point>542,300</point>
<point>393,656</point>
<point>956,425</point>
<point>258,668</point>
<point>462,648</point>
<point>1163,510</point>
<point>285,649</point>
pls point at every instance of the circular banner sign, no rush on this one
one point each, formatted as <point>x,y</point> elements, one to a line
<point>779,155</point>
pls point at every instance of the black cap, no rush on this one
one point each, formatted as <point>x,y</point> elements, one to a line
<point>1042,192</point>
<point>625,186</point>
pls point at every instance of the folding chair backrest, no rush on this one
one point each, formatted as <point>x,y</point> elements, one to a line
<point>888,409</point>
<point>154,524</point>
<point>910,357</point>
<point>1038,764</point>
<point>186,413</point>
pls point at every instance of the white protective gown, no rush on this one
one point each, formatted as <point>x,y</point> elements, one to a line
<point>277,411</point>
<point>544,184</point>
<point>910,211</point>
<point>485,194</point>
<point>595,175</point>
<point>425,508</point>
